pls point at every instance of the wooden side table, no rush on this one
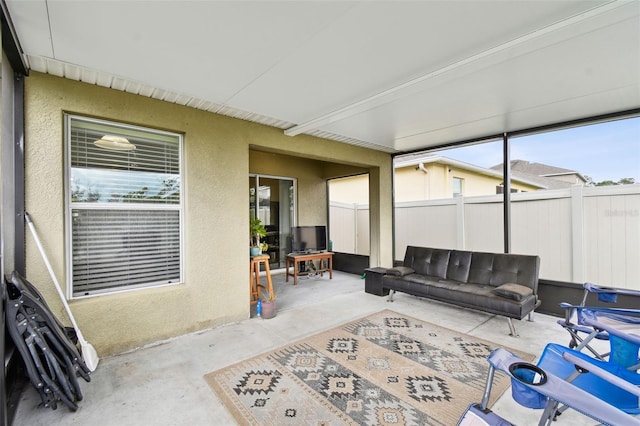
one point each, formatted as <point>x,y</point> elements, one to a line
<point>254,277</point>
<point>297,258</point>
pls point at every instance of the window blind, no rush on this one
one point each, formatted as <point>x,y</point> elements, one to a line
<point>125,209</point>
<point>113,249</point>
<point>150,173</point>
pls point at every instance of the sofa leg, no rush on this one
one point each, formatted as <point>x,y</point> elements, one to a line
<point>512,328</point>
<point>530,317</point>
<point>390,298</point>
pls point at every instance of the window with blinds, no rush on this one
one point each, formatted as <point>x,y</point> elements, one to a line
<point>124,206</point>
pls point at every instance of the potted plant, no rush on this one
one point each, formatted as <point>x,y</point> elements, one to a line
<point>256,231</point>
<point>268,304</point>
<point>263,247</point>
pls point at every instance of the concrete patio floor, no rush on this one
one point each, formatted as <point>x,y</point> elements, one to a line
<point>163,384</point>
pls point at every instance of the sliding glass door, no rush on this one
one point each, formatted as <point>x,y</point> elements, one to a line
<point>272,200</point>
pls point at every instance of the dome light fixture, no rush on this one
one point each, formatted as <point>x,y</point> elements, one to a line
<point>115,143</point>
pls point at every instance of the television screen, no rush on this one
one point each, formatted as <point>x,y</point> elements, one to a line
<point>308,238</point>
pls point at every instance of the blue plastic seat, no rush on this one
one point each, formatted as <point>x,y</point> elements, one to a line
<point>560,389</point>
<point>582,334</point>
<point>552,361</point>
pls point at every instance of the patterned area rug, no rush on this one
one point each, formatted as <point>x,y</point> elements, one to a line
<point>384,369</point>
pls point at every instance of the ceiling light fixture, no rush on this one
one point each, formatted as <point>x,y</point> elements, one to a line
<point>115,143</point>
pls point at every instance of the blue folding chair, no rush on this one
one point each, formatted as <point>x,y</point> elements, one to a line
<point>623,328</point>
<point>605,387</point>
<point>567,379</point>
<point>583,334</point>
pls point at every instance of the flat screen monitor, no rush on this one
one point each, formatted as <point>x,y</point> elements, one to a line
<point>308,238</point>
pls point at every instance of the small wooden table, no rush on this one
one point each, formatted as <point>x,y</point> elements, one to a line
<point>297,258</point>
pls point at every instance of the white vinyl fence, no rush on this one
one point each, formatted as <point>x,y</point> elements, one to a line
<point>349,228</point>
<point>581,234</point>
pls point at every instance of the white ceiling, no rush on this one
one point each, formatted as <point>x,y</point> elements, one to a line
<point>391,75</point>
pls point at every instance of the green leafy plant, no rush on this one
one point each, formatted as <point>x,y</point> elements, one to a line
<point>256,231</point>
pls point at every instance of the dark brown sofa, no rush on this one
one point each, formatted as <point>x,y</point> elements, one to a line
<point>498,283</point>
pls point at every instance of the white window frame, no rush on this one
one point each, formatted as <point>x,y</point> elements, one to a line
<point>70,205</point>
<point>454,180</point>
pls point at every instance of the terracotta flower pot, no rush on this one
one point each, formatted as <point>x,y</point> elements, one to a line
<point>268,309</point>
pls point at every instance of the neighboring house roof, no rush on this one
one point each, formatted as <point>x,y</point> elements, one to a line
<point>539,169</point>
<point>545,182</point>
<point>542,173</point>
<point>417,159</point>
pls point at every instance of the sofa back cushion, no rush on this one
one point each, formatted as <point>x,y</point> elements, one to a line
<point>481,268</point>
<point>459,266</point>
<point>427,261</point>
<point>515,268</point>
<point>496,269</point>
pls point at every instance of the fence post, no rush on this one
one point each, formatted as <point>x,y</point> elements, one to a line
<point>460,236</point>
<point>355,228</point>
<point>577,235</point>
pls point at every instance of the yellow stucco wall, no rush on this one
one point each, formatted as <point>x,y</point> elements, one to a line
<point>412,184</point>
<point>354,189</point>
<point>217,152</point>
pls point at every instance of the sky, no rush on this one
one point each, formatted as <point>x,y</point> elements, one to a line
<point>605,151</point>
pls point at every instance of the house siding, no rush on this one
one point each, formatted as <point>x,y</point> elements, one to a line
<point>433,183</point>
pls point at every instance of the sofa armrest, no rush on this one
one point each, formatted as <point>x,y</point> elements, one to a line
<point>373,281</point>
<point>400,271</point>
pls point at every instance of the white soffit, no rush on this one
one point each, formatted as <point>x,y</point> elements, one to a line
<point>570,73</point>
<point>387,75</point>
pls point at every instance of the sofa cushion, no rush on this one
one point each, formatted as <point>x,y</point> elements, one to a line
<point>400,271</point>
<point>459,266</point>
<point>412,284</point>
<point>422,279</point>
<point>409,254</point>
<point>513,291</point>
<point>481,269</point>
<point>515,268</point>
<point>498,268</point>
<point>429,261</point>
